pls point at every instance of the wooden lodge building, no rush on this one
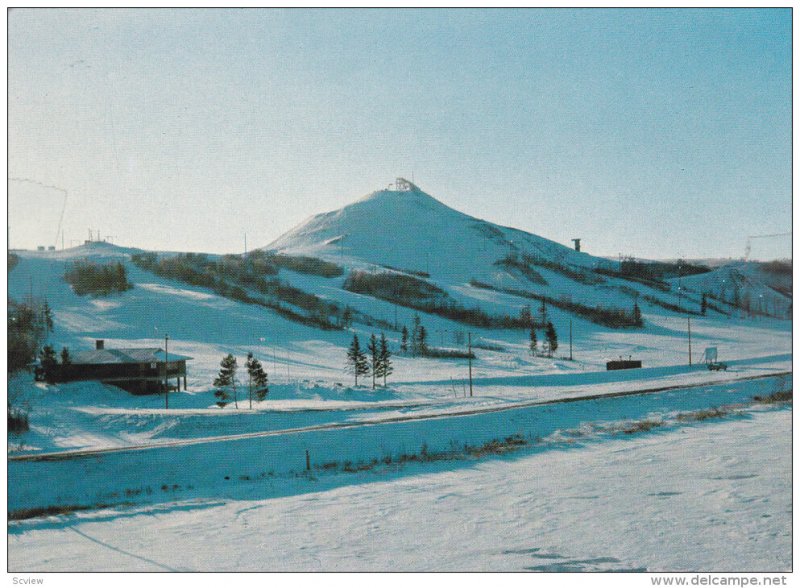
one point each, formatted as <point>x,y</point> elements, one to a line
<point>137,370</point>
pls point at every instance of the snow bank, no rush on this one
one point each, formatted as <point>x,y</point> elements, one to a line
<point>211,468</point>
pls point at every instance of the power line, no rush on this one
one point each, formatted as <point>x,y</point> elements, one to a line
<point>51,187</point>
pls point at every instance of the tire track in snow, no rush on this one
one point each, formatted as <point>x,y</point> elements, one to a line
<point>122,551</point>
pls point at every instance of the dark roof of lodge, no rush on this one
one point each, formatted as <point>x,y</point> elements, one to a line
<point>134,355</point>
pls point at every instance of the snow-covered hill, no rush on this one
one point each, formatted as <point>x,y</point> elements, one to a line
<point>477,264</point>
<point>760,288</point>
<point>314,417</point>
<point>412,230</point>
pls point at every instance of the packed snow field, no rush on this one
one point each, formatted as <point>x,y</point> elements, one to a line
<point>540,463</point>
<point>712,496</point>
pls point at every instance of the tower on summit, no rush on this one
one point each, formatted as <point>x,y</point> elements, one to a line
<point>403,185</point>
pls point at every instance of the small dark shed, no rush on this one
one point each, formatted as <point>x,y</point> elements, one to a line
<point>623,364</point>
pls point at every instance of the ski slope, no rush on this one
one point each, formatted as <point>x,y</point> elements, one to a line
<point>573,499</point>
<point>308,383</point>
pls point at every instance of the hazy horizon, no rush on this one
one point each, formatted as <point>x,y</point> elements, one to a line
<point>657,133</point>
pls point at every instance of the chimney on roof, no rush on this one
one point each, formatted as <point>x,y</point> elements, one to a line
<point>100,344</point>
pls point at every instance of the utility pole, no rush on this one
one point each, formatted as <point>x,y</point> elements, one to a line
<point>570,339</point>
<point>469,335</point>
<point>689,322</point>
<point>166,371</point>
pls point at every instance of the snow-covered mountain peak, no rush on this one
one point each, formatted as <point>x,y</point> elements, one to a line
<point>413,207</point>
<point>410,229</point>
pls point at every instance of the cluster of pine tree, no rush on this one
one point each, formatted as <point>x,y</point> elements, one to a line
<point>29,325</point>
<point>50,369</point>
<point>550,342</point>
<point>98,279</point>
<point>417,341</point>
<point>379,363</point>
<point>225,382</point>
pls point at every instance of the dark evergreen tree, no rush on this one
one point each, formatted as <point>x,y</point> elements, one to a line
<point>374,353</point>
<point>356,360</point>
<point>543,313</point>
<point>254,370</point>
<point>552,339</point>
<point>703,304</point>
<point>533,343</point>
<point>122,276</point>
<point>404,340</point>
<point>637,315</point>
<point>66,361</point>
<point>386,368</point>
<point>422,340</point>
<point>49,364</point>
<point>24,335</point>
<point>225,382</point>
<point>47,318</point>
<point>737,295</point>
<point>525,316</point>
<point>347,317</point>
<point>415,335</point>
<point>257,379</point>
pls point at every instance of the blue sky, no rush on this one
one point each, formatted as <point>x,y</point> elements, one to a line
<point>653,133</point>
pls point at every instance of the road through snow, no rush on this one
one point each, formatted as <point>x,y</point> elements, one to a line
<point>712,496</point>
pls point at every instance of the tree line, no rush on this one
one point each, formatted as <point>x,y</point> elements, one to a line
<point>615,318</point>
<point>413,292</point>
<point>231,278</point>
<point>87,277</point>
<point>27,327</point>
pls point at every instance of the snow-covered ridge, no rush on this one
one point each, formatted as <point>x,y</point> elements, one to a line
<point>94,250</point>
<point>413,230</point>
